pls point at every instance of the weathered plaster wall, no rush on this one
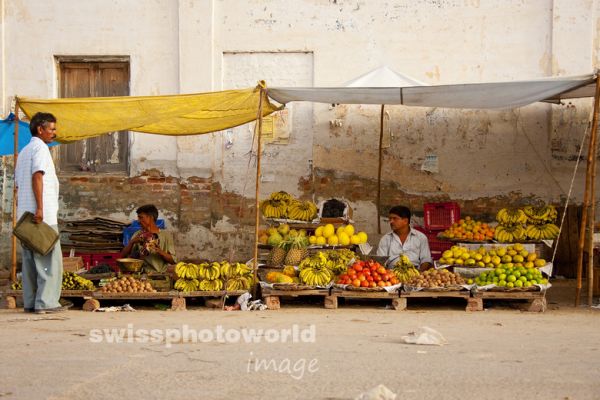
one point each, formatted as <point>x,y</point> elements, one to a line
<point>205,184</point>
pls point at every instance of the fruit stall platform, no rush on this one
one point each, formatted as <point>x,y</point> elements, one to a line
<point>92,298</point>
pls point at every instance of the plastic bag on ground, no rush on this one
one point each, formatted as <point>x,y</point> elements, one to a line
<point>379,392</point>
<point>425,336</point>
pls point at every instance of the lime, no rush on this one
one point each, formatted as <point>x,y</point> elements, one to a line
<point>511,278</point>
<point>519,284</point>
<point>510,285</point>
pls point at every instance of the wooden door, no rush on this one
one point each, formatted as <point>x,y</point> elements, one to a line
<point>107,153</point>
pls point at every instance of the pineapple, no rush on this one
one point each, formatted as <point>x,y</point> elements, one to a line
<point>297,250</point>
<point>278,254</point>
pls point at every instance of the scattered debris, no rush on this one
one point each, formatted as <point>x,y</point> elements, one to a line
<point>125,307</point>
<point>379,392</point>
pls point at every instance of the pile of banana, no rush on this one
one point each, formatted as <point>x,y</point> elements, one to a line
<point>18,285</point>
<point>210,285</point>
<point>186,270</point>
<point>238,276</point>
<point>510,233</point>
<point>186,285</point>
<point>339,259</point>
<point>527,223</point>
<point>213,276</point>
<point>404,269</point>
<point>283,205</point>
<point>511,216</point>
<point>314,270</point>
<point>542,232</point>
<point>72,281</point>
<point>541,215</point>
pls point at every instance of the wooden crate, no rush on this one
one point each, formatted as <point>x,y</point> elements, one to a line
<point>535,301</point>
<point>271,297</point>
<point>358,295</point>
<point>434,294</point>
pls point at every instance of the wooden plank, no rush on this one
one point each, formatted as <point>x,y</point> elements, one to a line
<point>63,293</point>
<point>465,294</point>
<point>135,296</point>
<point>364,294</point>
<point>512,295</point>
<point>205,293</point>
<point>295,293</point>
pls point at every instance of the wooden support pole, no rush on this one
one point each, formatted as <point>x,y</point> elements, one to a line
<point>587,195</point>
<point>379,169</point>
<point>592,205</point>
<point>257,193</point>
<point>13,238</point>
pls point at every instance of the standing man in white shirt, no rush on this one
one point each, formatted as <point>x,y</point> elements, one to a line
<point>404,240</point>
<point>37,185</point>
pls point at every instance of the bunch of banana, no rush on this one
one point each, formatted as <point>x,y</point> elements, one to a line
<point>542,232</point>
<point>281,196</point>
<point>509,234</point>
<point>273,208</point>
<point>226,269</point>
<point>338,260</point>
<point>301,210</point>
<point>186,270</point>
<point>540,215</point>
<point>210,271</point>
<point>314,270</point>
<point>17,285</point>
<point>186,285</point>
<point>72,281</point>
<point>405,271</point>
<point>511,216</point>
<point>316,276</point>
<point>210,285</point>
<point>237,283</point>
<point>318,260</point>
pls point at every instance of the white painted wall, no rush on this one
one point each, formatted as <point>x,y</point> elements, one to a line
<point>188,45</point>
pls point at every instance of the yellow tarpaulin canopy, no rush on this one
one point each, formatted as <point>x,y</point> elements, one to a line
<point>187,114</point>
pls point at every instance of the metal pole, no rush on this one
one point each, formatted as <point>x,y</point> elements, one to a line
<point>13,264</point>
<point>257,200</point>
<point>379,170</point>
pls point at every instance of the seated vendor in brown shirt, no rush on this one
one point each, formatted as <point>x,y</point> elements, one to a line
<point>154,246</point>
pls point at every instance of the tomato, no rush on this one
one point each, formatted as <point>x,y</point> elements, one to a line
<point>366,272</point>
<point>364,284</point>
<point>344,276</point>
<point>362,278</point>
<point>351,273</point>
<point>394,281</point>
<point>356,283</point>
<point>380,284</point>
<point>376,277</point>
<point>387,283</point>
<point>381,270</point>
<point>357,267</point>
<point>372,284</point>
<point>369,278</point>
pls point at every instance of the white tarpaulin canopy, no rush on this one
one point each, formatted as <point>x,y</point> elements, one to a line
<point>472,95</point>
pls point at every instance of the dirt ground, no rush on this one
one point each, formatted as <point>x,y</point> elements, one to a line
<point>499,353</point>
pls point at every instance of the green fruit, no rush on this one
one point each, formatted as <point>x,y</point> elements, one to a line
<point>511,278</point>
<point>519,284</point>
<point>510,285</point>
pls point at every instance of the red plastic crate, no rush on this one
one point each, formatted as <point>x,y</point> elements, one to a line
<point>439,216</point>
<point>105,258</point>
<point>436,246</point>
